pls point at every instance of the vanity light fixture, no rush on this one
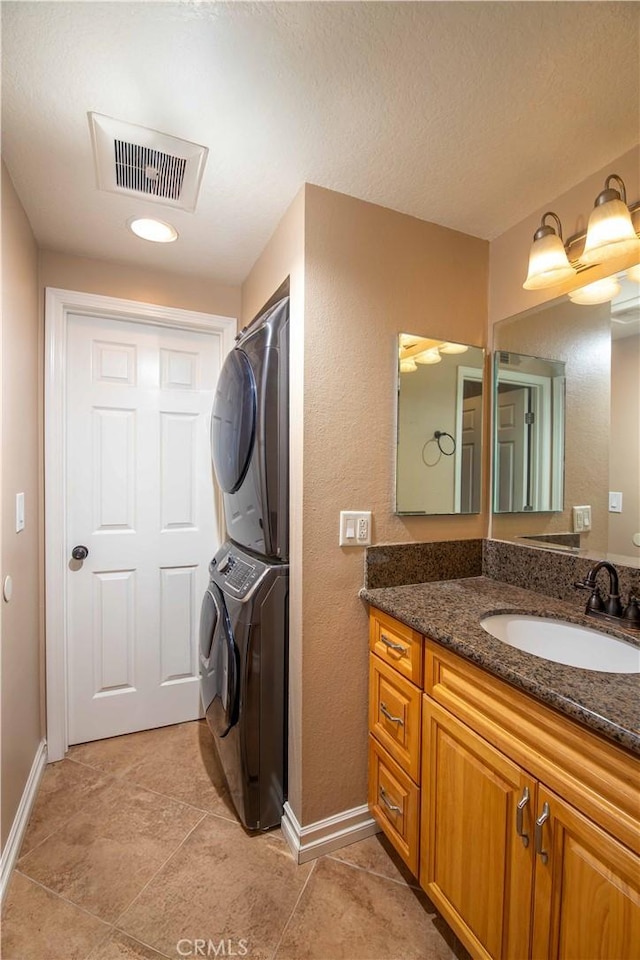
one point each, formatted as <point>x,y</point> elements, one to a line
<point>452,348</point>
<point>148,228</point>
<point>599,292</point>
<point>610,231</point>
<point>548,261</point>
<point>428,356</point>
<point>408,366</point>
<point>633,273</point>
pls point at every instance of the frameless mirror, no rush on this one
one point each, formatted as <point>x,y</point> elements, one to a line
<point>439,455</point>
<point>528,433</point>
<point>599,345</point>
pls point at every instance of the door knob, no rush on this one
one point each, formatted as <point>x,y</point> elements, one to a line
<point>79,552</point>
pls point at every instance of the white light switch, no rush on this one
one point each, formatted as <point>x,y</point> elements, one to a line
<point>19,512</point>
<point>355,528</point>
<point>581,519</point>
<point>615,502</point>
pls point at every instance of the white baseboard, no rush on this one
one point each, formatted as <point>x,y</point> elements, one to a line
<point>21,819</point>
<point>325,836</point>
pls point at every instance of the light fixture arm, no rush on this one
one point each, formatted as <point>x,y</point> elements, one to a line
<point>545,230</point>
<point>609,193</point>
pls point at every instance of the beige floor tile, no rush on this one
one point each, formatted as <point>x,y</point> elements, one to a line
<point>177,761</point>
<point>64,789</point>
<point>103,857</point>
<point>222,885</point>
<point>37,925</point>
<point>376,855</point>
<point>348,914</point>
<point>185,766</point>
<point>118,946</point>
<point>117,755</point>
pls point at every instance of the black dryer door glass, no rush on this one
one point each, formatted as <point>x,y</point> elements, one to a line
<point>233,421</point>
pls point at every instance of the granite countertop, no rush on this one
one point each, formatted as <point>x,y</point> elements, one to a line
<point>449,611</point>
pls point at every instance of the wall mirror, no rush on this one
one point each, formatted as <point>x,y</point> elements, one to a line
<point>439,455</point>
<point>599,346</point>
<point>529,400</point>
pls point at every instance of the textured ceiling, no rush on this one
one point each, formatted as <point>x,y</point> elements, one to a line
<point>466,114</point>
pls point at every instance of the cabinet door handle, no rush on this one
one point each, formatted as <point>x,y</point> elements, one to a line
<point>540,822</point>
<point>390,806</point>
<point>392,646</point>
<point>390,716</point>
<point>520,808</point>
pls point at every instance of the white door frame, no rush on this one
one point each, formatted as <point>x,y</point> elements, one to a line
<point>59,306</point>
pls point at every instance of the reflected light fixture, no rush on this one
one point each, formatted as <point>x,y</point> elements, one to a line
<point>147,228</point>
<point>428,356</point>
<point>610,231</point>
<point>633,273</point>
<point>452,348</point>
<point>548,261</point>
<point>601,291</point>
<point>408,365</point>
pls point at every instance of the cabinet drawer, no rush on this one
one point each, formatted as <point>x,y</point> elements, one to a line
<point>396,644</point>
<point>394,801</point>
<point>394,714</point>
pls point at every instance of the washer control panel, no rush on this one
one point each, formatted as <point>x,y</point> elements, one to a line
<point>239,576</point>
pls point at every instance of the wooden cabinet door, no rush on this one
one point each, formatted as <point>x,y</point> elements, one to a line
<point>473,865</point>
<point>587,893</point>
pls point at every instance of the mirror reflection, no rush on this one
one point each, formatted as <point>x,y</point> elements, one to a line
<point>439,455</point>
<point>529,433</point>
<point>599,345</point>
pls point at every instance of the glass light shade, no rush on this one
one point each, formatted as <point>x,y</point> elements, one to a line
<point>429,356</point>
<point>633,273</point>
<point>408,365</point>
<point>453,348</point>
<point>610,233</point>
<point>158,231</point>
<point>548,263</point>
<point>599,292</point>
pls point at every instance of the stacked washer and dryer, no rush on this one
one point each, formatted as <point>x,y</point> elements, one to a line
<point>244,620</point>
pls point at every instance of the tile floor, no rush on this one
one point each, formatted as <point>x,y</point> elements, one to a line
<point>133,852</point>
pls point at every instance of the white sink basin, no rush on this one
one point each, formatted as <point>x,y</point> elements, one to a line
<point>564,642</point>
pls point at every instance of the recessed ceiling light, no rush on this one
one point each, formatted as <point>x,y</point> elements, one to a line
<point>155,230</point>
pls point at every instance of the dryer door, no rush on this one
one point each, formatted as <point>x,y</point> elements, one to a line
<point>219,664</point>
<point>233,421</point>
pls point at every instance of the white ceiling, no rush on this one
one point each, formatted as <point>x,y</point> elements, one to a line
<point>466,114</point>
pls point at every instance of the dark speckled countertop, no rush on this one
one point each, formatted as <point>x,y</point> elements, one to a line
<point>449,611</point>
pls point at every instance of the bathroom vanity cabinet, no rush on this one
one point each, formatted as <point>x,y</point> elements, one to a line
<point>522,825</point>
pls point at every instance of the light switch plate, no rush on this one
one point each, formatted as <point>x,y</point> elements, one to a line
<point>19,512</point>
<point>355,528</point>
<point>615,502</point>
<point>581,519</point>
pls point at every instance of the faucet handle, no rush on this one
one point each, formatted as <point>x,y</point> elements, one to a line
<point>631,613</point>
<point>595,601</point>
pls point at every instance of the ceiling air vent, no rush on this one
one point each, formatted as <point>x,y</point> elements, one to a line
<point>144,163</point>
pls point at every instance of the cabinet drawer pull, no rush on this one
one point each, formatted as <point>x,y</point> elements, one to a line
<point>390,806</point>
<point>390,716</point>
<point>522,803</point>
<point>392,645</point>
<point>540,822</point>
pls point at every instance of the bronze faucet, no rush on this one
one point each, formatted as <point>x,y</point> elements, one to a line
<point>611,608</point>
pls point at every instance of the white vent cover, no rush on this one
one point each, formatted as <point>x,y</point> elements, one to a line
<point>144,163</point>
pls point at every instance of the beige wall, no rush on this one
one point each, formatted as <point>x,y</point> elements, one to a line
<point>369,273</point>
<point>509,256</point>
<point>21,464</point>
<point>581,337</point>
<point>625,445</point>
<point>137,283</point>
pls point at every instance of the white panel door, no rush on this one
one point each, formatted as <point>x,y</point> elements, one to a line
<point>140,498</point>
